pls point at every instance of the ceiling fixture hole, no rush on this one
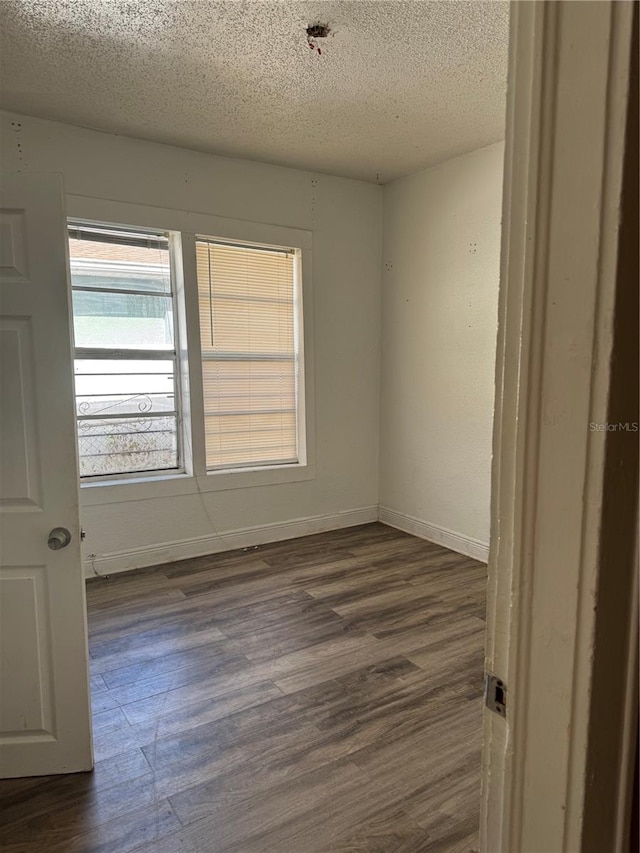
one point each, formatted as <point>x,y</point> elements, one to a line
<point>315,32</point>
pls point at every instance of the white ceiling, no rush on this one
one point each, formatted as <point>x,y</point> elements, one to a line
<point>400,85</point>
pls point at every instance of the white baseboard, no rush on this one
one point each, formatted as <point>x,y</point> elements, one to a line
<point>439,535</point>
<point>167,552</point>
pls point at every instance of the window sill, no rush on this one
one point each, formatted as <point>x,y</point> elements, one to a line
<point>243,478</point>
<point>175,485</point>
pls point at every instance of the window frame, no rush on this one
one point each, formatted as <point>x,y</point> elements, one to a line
<point>122,353</point>
<point>183,227</point>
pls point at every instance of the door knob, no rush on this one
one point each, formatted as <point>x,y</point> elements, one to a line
<point>59,538</point>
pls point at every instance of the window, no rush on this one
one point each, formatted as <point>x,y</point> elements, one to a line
<point>188,358</point>
<point>125,352</point>
<point>250,364</point>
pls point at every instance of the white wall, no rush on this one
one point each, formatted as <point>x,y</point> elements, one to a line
<point>345,218</point>
<point>440,275</point>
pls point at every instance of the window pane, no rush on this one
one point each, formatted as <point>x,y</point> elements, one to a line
<point>120,266</point>
<point>122,320</point>
<point>127,445</point>
<point>119,387</point>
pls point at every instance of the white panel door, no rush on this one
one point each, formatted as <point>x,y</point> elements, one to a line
<point>45,722</point>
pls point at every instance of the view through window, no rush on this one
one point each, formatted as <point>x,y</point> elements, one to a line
<point>125,357</point>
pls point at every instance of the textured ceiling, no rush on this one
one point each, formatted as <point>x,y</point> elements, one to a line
<point>399,85</point>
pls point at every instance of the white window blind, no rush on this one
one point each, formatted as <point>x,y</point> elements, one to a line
<point>249,354</point>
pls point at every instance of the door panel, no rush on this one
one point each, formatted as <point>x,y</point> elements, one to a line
<point>27,703</point>
<point>20,463</point>
<point>44,696</point>
<point>13,246</point>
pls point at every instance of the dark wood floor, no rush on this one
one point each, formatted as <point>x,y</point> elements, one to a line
<point>321,695</point>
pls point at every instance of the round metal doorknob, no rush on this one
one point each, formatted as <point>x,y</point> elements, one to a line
<point>59,538</point>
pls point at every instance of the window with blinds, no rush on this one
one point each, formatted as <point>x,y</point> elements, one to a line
<point>248,330</point>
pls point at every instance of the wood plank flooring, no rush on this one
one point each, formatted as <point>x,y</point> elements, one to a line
<point>321,695</point>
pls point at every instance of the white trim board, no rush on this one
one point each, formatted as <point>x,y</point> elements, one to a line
<point>439,535</point>
<point>246,537</point>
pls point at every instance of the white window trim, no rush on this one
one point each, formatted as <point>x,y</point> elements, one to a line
<point>184,226</point>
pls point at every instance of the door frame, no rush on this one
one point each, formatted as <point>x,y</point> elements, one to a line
<point>567,105</point>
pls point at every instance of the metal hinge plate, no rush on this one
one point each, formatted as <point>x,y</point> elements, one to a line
<point>495,694</point>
